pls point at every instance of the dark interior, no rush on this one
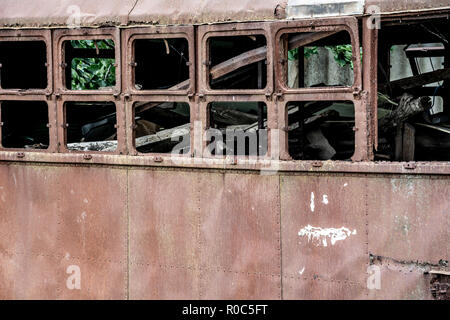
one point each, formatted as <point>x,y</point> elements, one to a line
<point>90,121</point>
<point>23,65</point>
<point>422,135</point>
<point>24,124</point>
<point>252,76</point>
<point>160,63</point>
<point>321,130</point>
<point>169,120</point>
<point>242,126</point>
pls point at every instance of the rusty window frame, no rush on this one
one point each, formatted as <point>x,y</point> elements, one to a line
<point>51,109</point>
<point>32,35</point>
<point>284,95</point>
<point>204,116</point>
<point>205,32</point>
<point>378,53</point>
<point>130,114</point>
<point>62,123</point>
<point>129,36</point>
<point>349,24</point>
<point>62,35</point>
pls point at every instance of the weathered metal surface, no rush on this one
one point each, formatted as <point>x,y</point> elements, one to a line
<point>324,232</point>
<point>297,9</point>
<point>64,221</point>
<point>211,229</point>
<point>54,13</point>
<point>416,224</point>
<point>220,240</point>
<point>31,13</point>
<point>229,236</point>
<point>387,6</point>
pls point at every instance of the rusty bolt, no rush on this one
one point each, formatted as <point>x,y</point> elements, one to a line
<point>317,164</point>
<point>410,166</point>
<point>20,155</point>
<point>87,157</point>
<point>158,159</point>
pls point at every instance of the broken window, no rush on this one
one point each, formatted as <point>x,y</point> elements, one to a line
<point>24,124</point>
<point>237,128</point>
<point>321,130</point>
<point>23,65</point>
<point>237,62</point>
<point>317,59</point>
<point>90,126</point>
<point>413,99</point>
<point>161,64</point>
<point>162,127</point>
<point>90,64</point>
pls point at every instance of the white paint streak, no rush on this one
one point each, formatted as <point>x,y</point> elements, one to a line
<point>312,202</point>
<point>301,271</point>
<point>345,184</point>
<point>86,201</point>
<point>320,236</point>
<point>325,199</point>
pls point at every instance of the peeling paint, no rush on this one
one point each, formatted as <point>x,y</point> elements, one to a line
<point>312,205</point>
<point>319,236</point>
<point>325,199</point>
<point>301,271</point>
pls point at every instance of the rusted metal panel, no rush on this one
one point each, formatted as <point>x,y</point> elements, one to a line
<point>198,11</point>
<point>56,217</point>
<point>54,13</point>
<point>163,210</point>
<point>409,218</point>
<point>324,237</point>
<point>387,6</point>
<point>32,13</point>
<point>240,236</point>
<point>193,238</point>
<point>222,238</point>
<point>401,281</point>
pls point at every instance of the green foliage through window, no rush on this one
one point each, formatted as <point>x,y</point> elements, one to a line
<point>342,54</point>
<point>92,73</point>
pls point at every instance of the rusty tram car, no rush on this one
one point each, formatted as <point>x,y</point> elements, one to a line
<point>350,198</point>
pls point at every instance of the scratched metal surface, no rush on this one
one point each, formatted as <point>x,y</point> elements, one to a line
<point>54,13</point>
<point>211,234</point>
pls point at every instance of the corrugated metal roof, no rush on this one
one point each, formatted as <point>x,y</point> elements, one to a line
<point>54,13</point>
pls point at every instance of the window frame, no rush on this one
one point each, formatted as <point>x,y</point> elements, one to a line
<point>32,35</point>
<point>349,24</point>
<point>62,120</point>
<point>232,29</point>
<point>62,35</point>
<point>51,125</point>
<point>130,110</point>
<point>156,32</point>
